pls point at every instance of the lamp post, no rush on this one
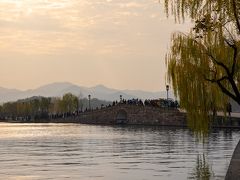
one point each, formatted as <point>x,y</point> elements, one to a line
<point>89,101</point>
<point>167,88</point>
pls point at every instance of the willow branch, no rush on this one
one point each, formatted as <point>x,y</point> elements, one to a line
<point>219,63</point>
<point>227,92</point>
<point>216,80</point>
<point>223,89</point>
<point>236,14</point>
<point>235,53</point>
<point>234,60</point>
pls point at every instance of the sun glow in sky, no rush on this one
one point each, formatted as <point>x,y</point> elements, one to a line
<point>118,43</point>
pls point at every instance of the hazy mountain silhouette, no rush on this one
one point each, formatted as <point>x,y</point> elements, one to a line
<point>59,89</point>
<point>100,92</point>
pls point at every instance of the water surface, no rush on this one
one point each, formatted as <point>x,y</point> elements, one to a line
<point>74,151</point>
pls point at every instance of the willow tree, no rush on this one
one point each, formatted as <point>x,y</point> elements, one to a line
<point>204,65</point>
<point>69,103</point>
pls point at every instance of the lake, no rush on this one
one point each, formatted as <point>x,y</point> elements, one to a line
<point>83,152</point>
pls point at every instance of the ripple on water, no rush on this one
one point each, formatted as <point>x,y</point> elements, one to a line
<point>73,151</point>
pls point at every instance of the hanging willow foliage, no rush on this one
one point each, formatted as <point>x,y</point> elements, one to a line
<point>204,65</point>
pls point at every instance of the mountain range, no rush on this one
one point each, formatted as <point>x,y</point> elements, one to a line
<point>59,89</point>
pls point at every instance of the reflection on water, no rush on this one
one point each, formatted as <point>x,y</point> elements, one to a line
<point>72,151</point>
<point>202,171</point>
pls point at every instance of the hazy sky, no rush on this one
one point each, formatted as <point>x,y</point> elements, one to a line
<point>118,43</point>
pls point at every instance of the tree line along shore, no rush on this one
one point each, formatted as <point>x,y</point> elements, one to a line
<point>39,108</point>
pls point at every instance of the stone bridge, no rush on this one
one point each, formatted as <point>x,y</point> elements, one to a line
<point>140,115</point>
<point>132,115</point>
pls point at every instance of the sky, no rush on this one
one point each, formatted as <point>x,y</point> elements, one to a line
<point>117,43</point>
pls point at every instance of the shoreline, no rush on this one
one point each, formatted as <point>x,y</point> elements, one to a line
<point>111,124</point>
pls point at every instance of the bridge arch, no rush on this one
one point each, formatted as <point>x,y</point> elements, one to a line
<point>121,117</point>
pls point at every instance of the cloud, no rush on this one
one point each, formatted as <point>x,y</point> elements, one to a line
<point>57,26</point>
<point>43,41</point>
<point>133,4</point>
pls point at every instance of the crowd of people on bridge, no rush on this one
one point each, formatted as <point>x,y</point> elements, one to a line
<point>159,103</point>
<point>156,103</point>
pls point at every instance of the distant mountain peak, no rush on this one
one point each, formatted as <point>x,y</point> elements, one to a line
<point>58,84</point>
<point>102,89</point>
<point>99,86</point>
<point>58,89</point>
